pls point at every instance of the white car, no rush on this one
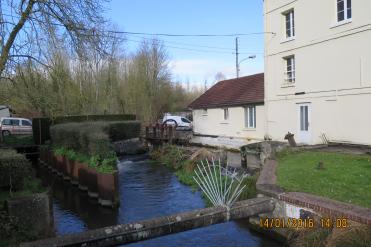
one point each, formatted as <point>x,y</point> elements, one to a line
<point>15,126</point>
<point>177,121</point>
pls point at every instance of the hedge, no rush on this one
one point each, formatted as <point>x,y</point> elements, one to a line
<point>41,126</point>
<point>93,138</point>
<point>122,130</point>
<point>90,118</point>
<point>14,169</point>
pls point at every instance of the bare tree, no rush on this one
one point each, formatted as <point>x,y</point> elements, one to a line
<point>29,28</point>
<point>219,77</point>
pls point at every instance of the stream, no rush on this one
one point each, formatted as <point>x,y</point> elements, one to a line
<point>147,190</point>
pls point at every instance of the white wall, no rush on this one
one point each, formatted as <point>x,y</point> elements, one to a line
<point>213,123</point>
<point>4,113</point>
<point>333,69</point>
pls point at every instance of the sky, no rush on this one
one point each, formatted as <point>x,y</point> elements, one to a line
<point>189,59</point>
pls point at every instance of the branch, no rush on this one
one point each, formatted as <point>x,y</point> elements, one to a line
<point>31,57</point>
<point>12,36</point>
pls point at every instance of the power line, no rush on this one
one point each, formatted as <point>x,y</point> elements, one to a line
<point>197,50</point>
<point>166,34</point>
<point>192,35</point>
<point>231,51</point>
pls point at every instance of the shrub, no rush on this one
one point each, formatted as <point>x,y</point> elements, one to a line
<point>93,138</point>
<point>14,169</point>
<point>87,118</point>
<point>123,130</point>
<point>41,126</point>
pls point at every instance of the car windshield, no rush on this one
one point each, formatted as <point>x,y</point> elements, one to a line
<point>6,122</point>
<point>185,120</point>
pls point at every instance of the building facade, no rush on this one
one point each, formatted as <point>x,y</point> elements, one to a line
<point>4,111</point>
<point>231,108</point>
<point>318,70</point>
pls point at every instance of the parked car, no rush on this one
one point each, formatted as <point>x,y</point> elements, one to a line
<point>15,126</point>
<point>177,121</point>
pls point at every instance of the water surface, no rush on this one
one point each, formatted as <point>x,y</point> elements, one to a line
<point>146,190</point>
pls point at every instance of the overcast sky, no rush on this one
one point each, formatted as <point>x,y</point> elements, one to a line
<point>190,59</point>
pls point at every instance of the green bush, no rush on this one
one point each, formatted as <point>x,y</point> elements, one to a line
<point>41,126</point>
<point>123,130</point>
<point>87,118</point>
<point>14,169</point>
<point>93,138</point>
<point>91,142</point>
<point>102,165</point>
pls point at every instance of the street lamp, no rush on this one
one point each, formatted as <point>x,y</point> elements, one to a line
<point>239,62</point>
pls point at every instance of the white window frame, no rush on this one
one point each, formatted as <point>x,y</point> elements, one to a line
<point>225,113</point>
<point>290,70</point>
<point>289,16</point>
<point>204,112</point>
<point>250,124</point>
<point>347,16</point>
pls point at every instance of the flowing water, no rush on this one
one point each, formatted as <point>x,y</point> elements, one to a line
<point>146,191</point>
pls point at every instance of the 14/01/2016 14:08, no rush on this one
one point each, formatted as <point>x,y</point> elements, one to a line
<point>302,223</point>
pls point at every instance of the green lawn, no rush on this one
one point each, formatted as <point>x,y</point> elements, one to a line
<point>18,140</point>
<point>346,177</point>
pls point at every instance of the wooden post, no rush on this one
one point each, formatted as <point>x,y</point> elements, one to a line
<point>171,134</point>
<point>40,132</point>
<point>154,131</point>
<point>147,132</point>
<point>162,132</point>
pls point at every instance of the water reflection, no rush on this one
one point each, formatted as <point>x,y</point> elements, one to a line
<point>146,191</point>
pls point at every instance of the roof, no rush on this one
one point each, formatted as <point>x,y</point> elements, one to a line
<point>233,92</point>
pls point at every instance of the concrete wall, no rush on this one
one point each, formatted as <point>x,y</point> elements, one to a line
<point>4,112</point>
<point>333,74</point>
<point>213,123</point>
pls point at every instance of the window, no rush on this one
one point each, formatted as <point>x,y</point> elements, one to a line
<point>7,122</point>
<point>290,69</point>
<point>304,123</point>
<point>15,122</point>
<point>344,10</point>
<point>250,117</point>
<point>26,123</point>
<point>290,24</point>
<point>184,120</point>
<point>204,111</point>
<point>226,113</point>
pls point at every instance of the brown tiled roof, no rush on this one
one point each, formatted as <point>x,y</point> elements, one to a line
<point>233,92</point>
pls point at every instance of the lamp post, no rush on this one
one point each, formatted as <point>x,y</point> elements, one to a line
<point>239,62</point>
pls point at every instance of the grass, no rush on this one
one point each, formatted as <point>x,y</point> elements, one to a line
<point>354,236</point>
<point>173,157</point>
<point>18,140</point>
<point>107,165</point>
<point>345,177</point>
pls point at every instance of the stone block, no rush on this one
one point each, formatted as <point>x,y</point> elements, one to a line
<point>35,212</point>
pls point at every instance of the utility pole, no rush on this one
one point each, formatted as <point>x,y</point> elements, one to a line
<point>237,65</point>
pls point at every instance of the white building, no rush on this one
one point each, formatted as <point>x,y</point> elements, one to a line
<point>4,111</point>
<point>318,70</point>
<point>231,108</point>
